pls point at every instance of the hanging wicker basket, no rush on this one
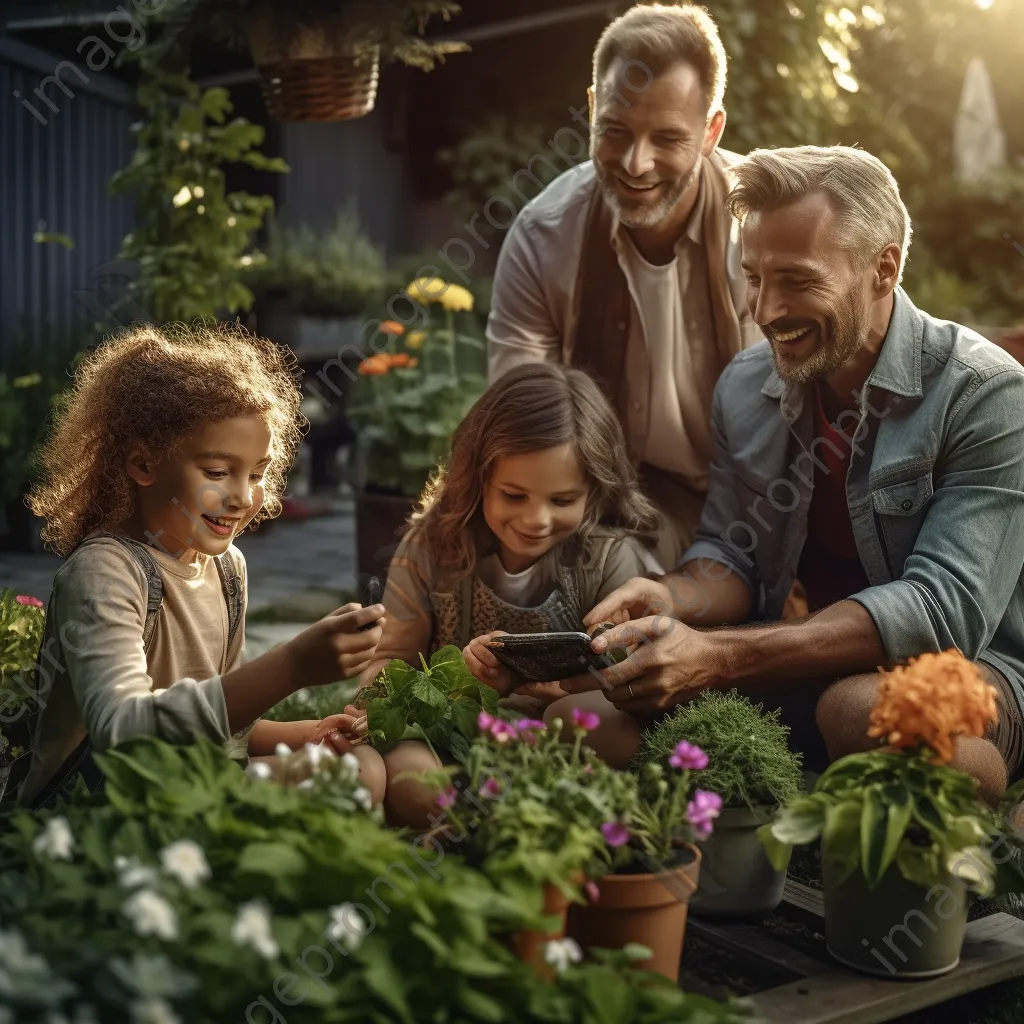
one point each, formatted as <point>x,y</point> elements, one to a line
<point>312,78</point>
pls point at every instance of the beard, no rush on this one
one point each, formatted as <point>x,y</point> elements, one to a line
<point>633,214</point>
<point>842,334</point>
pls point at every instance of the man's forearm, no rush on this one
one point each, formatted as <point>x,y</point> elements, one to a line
<point>708,594</point>
<point>837,641</point>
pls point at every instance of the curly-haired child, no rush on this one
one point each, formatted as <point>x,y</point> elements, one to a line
<point>536,518</point>
<point>172,442</point>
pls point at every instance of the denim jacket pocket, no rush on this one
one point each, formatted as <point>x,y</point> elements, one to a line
<point>901,509</point>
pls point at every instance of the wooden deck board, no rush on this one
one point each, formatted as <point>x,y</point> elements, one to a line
<point>993,951</point>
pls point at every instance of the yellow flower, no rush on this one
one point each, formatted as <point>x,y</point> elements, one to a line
<point>415,339</point>
<point>457,298</point>
<point>435,289</point>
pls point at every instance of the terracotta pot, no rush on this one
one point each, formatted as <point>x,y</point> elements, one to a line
<point>894,930</point>
<point>379,518</point>
<point>648,909</point>
<point>314,77</point>
<point>529,944</point>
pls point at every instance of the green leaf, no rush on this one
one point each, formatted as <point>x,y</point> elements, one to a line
<point>801,822</point>
<point>464,717</point>
<point>873,828</point>
<point>385,722</point>
<point>896,826</point>
<point>779,853</point>
<point>480,1006</point>
<point>274,859</point>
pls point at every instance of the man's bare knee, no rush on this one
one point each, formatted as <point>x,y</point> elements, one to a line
<point>843,713</point>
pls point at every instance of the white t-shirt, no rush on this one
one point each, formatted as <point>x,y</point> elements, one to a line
<point>527,589</point>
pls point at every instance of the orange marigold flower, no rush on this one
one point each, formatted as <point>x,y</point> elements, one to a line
<point>402,359</point>
<point>376,365</point>
<point>392,327</point>
<point>932,700</point>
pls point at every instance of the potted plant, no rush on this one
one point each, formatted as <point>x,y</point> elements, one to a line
<point>320,60</point>
<point>904,836</point>
<point>655,864</point>
<point>410,396</point>
<point>750,766</point>
<point>526,807</point>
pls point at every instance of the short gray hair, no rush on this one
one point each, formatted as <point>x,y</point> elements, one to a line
<point>859,186</point>
<point>659,36</point>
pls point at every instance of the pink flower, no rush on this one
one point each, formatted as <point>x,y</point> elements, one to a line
<point>586,720</point>
<point>615,833</point>
<point>32,602</point>
<point>491,788</point>
<point>702,810</point>
<point>686,756</point>
<point>592,891</point>
<point>527,724</point>
<point>484,720</point>
<point>588,769</point>
<point>503,731</point>
<point>447,798</point>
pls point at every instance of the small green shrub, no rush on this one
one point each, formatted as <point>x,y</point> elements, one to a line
<point>749,760</point>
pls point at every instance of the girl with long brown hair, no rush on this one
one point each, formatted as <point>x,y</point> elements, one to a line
<point>535,517</point>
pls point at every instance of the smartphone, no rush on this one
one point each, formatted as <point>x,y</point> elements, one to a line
<point>371,597</point>
<point>548,657</point>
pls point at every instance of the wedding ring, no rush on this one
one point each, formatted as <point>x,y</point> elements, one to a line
<point>632,695</point>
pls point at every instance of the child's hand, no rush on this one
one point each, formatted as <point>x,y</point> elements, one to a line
<point>339,731</point>
<point>486,667</point>
<point>336,647</point>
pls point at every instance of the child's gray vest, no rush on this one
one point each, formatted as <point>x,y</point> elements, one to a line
<point>80,761</point>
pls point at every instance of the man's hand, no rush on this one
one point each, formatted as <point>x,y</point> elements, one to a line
<point>632,601</point>
<point>671,664</point>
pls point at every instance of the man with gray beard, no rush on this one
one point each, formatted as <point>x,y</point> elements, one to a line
<point>872,449</point>
<point>629,265</point>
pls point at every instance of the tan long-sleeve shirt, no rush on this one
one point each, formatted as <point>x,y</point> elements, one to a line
<point>96,679</point>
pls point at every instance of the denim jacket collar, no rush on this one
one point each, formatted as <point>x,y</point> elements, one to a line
<point>898,368</point>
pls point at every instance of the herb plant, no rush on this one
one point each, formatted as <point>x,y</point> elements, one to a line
<point>439,703</point>
<point>750,763</point>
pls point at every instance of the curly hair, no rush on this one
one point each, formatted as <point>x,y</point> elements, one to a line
<point>530,408</point>
<point>154,385</point>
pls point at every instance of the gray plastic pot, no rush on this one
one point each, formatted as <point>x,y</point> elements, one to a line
<point>736,878</point>
<point>894,930</point>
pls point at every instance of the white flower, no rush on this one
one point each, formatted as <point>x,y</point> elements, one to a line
<point>363,798</point>
<point>186,861</point>
<point>258,770</point>
<point>152,915</point>
<point>282,750</point>
<point>252,928</point>
<point>16,958</point>
<point>133,874</point>
<point>351,763</point>
<point>182,196</point>
<point>55,840</point>
<point>347,926</point>
<point>153,1011</point>
<point>562,952</point>
<point>305,784</point>
<point>314,754</point>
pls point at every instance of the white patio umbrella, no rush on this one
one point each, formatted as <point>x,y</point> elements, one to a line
<point>979,144</point>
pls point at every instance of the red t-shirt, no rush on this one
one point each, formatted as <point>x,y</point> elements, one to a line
<point>830,568</point>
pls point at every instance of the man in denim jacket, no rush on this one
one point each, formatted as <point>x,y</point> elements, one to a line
<point>865,447</point>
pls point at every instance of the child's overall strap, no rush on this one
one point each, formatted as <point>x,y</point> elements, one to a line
<point>231,581</point>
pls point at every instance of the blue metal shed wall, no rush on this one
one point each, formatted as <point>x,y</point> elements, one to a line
<point>56,174</point>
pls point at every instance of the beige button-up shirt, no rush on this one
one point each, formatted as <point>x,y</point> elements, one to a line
<point>671,362</point>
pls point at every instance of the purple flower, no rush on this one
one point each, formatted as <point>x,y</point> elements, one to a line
<point>503,731</point>
<point>687,756</point>
<point>526,724</point>
<point>702,810</point>
<point>593,891</point>
<point>447,798</point>
<point>615,833</point>
<point>484,721</point>
<point>586,720</point>
<point>491,788</point>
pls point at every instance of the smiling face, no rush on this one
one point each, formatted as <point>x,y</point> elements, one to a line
<point>810,296</point>
<point>201,497</point>
<point>647,150</point>
<point>532,502</point>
